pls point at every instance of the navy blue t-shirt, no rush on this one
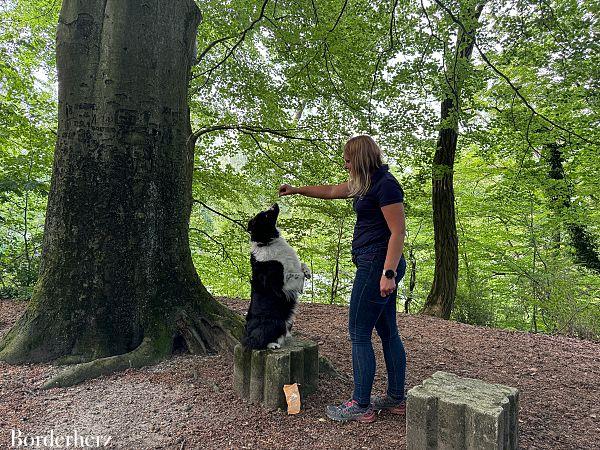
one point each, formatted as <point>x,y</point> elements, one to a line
<point>371,227</point>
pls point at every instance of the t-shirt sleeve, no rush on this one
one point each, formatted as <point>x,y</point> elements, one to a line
<point>389,191</point>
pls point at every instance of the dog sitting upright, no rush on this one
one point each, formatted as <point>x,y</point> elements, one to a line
<point>277,279</point>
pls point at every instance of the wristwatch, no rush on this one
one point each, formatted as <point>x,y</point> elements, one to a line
<point>389,274</point>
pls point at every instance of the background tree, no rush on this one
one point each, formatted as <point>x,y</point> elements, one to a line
<point>443,290</point>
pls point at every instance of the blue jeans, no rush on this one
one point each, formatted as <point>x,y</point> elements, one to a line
<point>369,310</point>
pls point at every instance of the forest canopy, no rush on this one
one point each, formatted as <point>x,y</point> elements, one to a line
<point>278,87</point>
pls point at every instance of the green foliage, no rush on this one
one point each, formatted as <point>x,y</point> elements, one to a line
<point>279,87</point>
<point>27,115</point>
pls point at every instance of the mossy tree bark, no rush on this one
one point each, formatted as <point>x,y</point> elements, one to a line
<point>441,297</point>
<point>117,285</point>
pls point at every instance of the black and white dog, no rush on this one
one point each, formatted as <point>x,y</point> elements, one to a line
<point>277,279</point>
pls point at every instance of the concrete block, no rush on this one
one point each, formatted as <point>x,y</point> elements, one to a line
<point>450,412</point>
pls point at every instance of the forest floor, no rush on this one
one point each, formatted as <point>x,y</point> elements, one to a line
<point>188,402</point>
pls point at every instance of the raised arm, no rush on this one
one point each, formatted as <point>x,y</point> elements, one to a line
<point>328,192</point>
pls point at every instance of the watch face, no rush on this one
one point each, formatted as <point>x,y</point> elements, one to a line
<point>389,273</point>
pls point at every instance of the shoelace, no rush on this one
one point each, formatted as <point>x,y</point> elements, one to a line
<point>349,403</point>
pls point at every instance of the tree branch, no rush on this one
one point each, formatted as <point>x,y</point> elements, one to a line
<point>314,7</point>
<point>508,80</point>
<point>237,222</point>
<point>223,249</point>
<point>339,16</point>
<point>236,45</point>
<point>275,163</point>
<point>211,45</point>
<point>284,132</point>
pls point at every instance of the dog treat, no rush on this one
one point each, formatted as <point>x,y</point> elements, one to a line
<point>292,397</point>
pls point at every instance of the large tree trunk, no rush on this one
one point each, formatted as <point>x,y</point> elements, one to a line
<point>443,290</point>
<point>117,285</point>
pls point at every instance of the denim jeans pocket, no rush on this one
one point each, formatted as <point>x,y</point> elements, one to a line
<point>367,259</point>
<point>373,263</point>
<point>377,273</point>
<point>376,297</point>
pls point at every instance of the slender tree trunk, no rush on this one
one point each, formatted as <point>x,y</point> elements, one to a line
<point>443,290</point>
<point>559,199</point>
<point>335,282</point>
<point>29,277</point>
<point>117,286</point>
<point>586,250</point>
<point>413,280</point>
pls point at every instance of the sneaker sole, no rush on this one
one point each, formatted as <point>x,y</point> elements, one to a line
<point>363,419</point>
<point>367,419</point>
<point>398,410</point>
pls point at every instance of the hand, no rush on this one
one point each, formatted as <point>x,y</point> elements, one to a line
<point>286,189</point>
<point>386,286</point>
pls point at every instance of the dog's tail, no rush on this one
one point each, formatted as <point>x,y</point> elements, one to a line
<point>260,333</point>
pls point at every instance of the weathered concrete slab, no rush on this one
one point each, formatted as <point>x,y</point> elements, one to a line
<point>450,412</point>
<point>259,375</point>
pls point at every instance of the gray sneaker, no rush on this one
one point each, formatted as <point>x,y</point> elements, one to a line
<point>350,410</point>
<point>387,403</point>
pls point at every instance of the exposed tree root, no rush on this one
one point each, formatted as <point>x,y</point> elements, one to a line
<point>203,326</point>
<point>24,342</point>
<point>72,359</point>
<point>434,309</point>
<point>150,351</point>
<point>204,335</point>
<point>200,335</point>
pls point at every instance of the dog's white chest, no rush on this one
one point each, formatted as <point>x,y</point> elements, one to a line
<point>279,250</point>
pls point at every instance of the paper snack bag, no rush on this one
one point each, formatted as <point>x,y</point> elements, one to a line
<point>292,397</point>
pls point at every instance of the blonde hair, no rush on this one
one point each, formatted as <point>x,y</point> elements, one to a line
<point>365,156</point>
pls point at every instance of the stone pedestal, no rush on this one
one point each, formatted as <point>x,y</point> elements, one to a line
<point>450,412</point>
<point>259,375</point>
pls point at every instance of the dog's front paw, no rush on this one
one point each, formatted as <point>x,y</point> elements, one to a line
<point>273,345</point>
<point>306,271</point>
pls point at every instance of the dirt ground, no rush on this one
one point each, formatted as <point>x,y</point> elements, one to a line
<point>188,402</point>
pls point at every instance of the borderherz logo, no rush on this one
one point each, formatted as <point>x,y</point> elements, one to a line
<point>54,440</point>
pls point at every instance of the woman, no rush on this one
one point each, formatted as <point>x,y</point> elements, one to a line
<point>377,253</point>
